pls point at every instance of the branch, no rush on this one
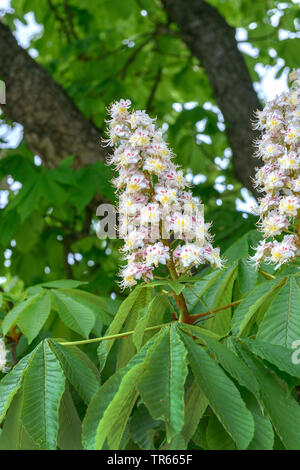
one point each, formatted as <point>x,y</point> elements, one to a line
<point>156,82</point>
<point>53,126</point>
<point>213,42</point>
<point>105,338</point>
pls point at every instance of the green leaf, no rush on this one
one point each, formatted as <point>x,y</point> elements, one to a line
<point>198,331</point>
<point>280,356</point>
<point>79,370</point>
<point>74,314</point>
<point>195,406</point>
<point>263,438</point>
<point>162,384</point>
<point>282,408</point>
<point>12,317</point>
<point>115,418</point>
<point>220,324</point>
<point>102,403</point>
<point>126,346</point>
<point>11,383</point>
<point>32,319</point>
<point>143,427</point>
<point>223,396</point>
<point>247,276</point>
<point>14,436</point>
<point>44,385</point>
<point>281,323</point>
<point>97,304</point>
<point>192,294</point>
<point>59,284</point>
<point>216,436</point>
<point>245,312</point>
<point>145,315</point>
<point>129,306</point>
<point>69,433</point>
<point>233,365</point>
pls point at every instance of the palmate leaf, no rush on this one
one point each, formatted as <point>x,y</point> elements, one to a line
<point>280,356</point>
<point>198,331</point>
<point>29,315</point>
<point>216,436</point>
<point>14,436</point>
<point>44,384</point>
<point>126,346</point>
<point>98,305</point>
<point>281,323</point>
<point>195,406</point>
<point>69,433</point>
<point>113,423</point>
<point>162,384</point>
<point>11,383</point>
<point>220,324</point>
<point>108,403</point>
<point>233,365</point>
<point>33,319</point>
<point>143,427</point>
<point>247,310</point>
<point>59,284</point>
<point>175,285</point>
<point>263,438</point>
<point>79,369</point>
<point>223,396</point>
<point>247,276</point>
<point>144,318</point>
<point>131,305</point>
<point>74,314</point>
<point>283,409</point>
<point>201,285</point>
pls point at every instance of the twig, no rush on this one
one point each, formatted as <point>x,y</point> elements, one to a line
<point>104,338</point>
<point>200,315</point>
<point>153,89</point>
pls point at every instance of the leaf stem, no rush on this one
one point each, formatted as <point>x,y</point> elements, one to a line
<point>266,275</point>
<point>200,315</point>
<point>103,338</point>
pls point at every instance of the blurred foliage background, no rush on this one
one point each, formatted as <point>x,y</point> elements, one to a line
<point>100,51</point>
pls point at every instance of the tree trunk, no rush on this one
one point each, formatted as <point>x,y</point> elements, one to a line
<point>53,126</point>
<point>213,42</point>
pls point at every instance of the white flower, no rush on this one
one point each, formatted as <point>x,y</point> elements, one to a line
<point>135,239</point>
<point>154,165</point>
<point>182,225</point>
<point>289,205</point>
<point>292,135</point>
<point>136,183</point>
<point>150,214</point>
<point>284,251</point>
<point>263,249</point>
<point>165,195</point>
<point>274,180</point>
<point>119,109</point>
<point>279,177</point>
<point>212,255</point>
<point>273,224</point>
<point>151,193</point>
<point>187,255</point>
<point>290,161</point>
<point>140,138</point>
<point>157,253</point>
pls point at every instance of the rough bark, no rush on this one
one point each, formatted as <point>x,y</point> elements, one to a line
<point>53,126</point>
<point>213,42</point>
